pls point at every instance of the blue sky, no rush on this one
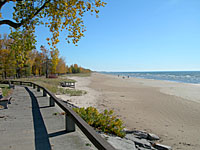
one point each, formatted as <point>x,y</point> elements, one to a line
<point>135,35</point>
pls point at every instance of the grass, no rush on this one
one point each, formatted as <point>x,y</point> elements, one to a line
<point>5,89</point>
<point>78,75</point>
<point>52,84</point>
<point>72,92</point>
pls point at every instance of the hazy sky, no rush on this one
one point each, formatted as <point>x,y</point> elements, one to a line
<point>135,35</point>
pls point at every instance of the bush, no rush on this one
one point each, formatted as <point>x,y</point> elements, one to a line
<point>104,122</point>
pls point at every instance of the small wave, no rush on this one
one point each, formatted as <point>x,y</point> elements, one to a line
<point>187,77</point>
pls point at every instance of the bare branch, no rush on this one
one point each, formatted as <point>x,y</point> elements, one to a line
<point>10,23</point>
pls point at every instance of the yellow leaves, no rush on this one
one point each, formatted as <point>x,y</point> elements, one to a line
<point>88,6</point>
<point>66,4</point>
<point>68,16</point>
<point>97,11</point>
<point>1,15</point>
<point>57,40</point>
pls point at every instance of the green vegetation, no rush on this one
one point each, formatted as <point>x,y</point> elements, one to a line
<point>53,85</point>
<point>80,74</point>
<point>72,92</point>
<point>50,84</point>
<point>105,122</point>
<point>5,89</point>
<point>18,54</point>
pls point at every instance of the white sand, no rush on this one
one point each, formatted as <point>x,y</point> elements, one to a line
<point>86,100</point>
<point>168,109</point>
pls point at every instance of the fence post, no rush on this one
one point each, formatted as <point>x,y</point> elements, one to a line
<point>31,84</point>
<point>51,102</point>
<point>20,83</point>
<point>44,93</point>
<point>34,86</point>
<point>38,89</point>
<point>69,124</point>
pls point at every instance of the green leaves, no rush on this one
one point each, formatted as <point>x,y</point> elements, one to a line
<point>104,122</point>
<point>23,43</point>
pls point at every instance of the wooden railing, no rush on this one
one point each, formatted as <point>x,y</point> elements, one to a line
<point>71,117</point>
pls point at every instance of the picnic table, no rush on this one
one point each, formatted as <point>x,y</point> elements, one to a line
<point>68,84</point>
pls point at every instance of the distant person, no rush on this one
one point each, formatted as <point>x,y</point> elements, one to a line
<point>118,75</point>
<point>128,76</point>
<point>123,77</point>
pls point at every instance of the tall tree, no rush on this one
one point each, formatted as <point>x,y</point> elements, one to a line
<point>54,60</point>
<point>6,57</point>
<point>45,56</point>
<point>61,67</point>
<point>23,42</point>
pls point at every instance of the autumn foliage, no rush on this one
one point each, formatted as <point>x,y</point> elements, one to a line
<point>56,15</point>
<point>18,58</point>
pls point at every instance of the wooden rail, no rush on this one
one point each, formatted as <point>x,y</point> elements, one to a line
<point>71,117</point>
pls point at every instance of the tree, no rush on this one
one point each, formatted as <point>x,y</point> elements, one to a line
<point>7,60</point>
<point>37,65</point>
<point>61,67</point>
<point>45,57</point>
<point>54,60</point>
<point>57,15</point>
<point>23,42</point>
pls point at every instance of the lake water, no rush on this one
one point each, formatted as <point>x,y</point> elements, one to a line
<point>178,76</point>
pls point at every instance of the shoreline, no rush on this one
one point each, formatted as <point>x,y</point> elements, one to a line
<point>167,80</point>
<point>168,109</point>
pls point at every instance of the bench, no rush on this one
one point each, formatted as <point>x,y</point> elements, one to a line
<point>68,84</point>
<point>5,101</point>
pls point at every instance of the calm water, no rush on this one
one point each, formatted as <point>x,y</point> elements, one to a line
<point>178,76</point>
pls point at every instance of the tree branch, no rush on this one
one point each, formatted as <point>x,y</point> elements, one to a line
<point>10,23</point>
<point>17,25</point>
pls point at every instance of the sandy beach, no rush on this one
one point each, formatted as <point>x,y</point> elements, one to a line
<point>169,109</point>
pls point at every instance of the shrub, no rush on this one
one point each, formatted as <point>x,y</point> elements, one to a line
<point>104,122</point>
